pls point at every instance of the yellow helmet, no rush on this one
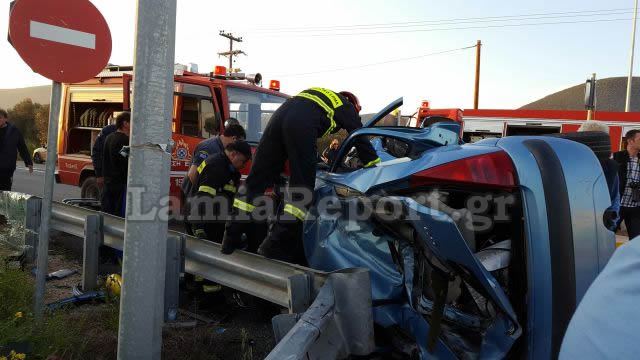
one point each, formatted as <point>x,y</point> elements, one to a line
<point>113,284</point>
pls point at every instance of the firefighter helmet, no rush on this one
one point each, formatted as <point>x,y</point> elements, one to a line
<point>352,99</point>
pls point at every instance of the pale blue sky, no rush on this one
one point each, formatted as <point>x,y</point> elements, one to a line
<point>519,63</point>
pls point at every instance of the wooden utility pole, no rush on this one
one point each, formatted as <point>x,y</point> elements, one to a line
<point>476,94</point>
<point>231,52</point>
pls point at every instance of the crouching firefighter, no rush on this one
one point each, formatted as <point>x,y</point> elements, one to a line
<point>217,183</point>
<point>291,135</point>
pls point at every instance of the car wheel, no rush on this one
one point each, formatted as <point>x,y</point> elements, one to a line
<point>90,189</point>
<point>37,159</point>
<point>598,142</point>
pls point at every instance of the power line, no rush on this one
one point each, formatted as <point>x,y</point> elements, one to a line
<point>374,64</point>
<point>453,28</point>
<point>456,23</point>
<point>604,12</point>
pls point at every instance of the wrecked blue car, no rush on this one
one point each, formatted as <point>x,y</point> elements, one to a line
<point>475,250</point>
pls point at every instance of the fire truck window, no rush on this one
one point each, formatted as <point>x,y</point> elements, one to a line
<point>189,116</point>
<point>198,90</point>
<point>253,109</point>
<point>210,124</point>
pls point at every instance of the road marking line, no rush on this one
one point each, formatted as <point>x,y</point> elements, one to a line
<point>62,35</point>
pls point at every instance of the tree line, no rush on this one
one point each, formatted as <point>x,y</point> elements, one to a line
<point>32,119</point>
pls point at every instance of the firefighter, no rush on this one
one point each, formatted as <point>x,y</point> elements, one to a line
<point>232,131</point>
<point>217,183</point>
<point>291,135</point>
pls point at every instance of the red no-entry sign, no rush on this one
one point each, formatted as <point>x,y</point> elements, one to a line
<point>63,40</point>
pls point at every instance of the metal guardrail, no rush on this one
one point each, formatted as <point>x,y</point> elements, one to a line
<point>338,324</point>
<point>252,274</point>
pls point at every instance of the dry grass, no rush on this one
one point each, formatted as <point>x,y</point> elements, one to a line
<point>91,331</point>
<point>74,333</point>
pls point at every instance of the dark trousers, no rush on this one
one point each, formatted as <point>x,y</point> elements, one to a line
<point>284,138</point>
<point>113,199</point>
<point>631,217</point>
<point>5,183</point>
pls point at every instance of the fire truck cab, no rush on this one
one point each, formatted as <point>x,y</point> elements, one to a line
<point>201,104</point>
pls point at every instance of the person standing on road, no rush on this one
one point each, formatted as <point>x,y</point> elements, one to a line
<point>292,135</point>
<point>11,142</point>
<point>629,173</point>
<point>96,152</point>
<point>115,164</point>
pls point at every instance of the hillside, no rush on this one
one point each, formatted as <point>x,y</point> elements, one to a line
<point>39,94</point>
<point>610,94</point>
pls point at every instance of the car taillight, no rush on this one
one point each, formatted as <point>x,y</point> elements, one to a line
<point>494,170</point>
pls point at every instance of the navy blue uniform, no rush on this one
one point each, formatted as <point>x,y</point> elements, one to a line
<point>217,184</point>
<point>203,150</point>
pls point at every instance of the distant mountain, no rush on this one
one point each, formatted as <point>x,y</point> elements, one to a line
<point>38,94</point>
<point>610,96</point>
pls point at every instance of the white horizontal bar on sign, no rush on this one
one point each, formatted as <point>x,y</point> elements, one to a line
<point>62,35</point>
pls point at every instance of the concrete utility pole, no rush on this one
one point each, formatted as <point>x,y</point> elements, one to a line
<point>476,94</point>
<point>145,238</point>
<point>627,106</point>
<point>231,53</point>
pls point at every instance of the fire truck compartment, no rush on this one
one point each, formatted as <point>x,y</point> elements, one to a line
<point>86,119</point>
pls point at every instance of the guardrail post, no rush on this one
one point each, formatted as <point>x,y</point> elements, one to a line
<point>338,324</point>
<point>93,238</point>
<point>299,289</point>
<point>175,264</point>
<point>32,227</point>
<point>353,312</point>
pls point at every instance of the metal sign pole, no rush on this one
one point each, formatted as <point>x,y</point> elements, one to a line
<point>45,218</point>
<point>145,239</point>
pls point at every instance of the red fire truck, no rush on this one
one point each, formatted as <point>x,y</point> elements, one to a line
<point>482,124</point>
<point>201,104</point>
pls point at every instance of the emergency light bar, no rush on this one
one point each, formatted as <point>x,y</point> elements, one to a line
<point>424,109</point>
<point>220,71</point>
<point>274,85</point>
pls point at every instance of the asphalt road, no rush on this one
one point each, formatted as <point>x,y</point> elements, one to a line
<point>33,184</point>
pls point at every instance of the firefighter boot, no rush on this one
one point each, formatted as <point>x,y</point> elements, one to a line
<point>283,242</point>
<point>232,238</point>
